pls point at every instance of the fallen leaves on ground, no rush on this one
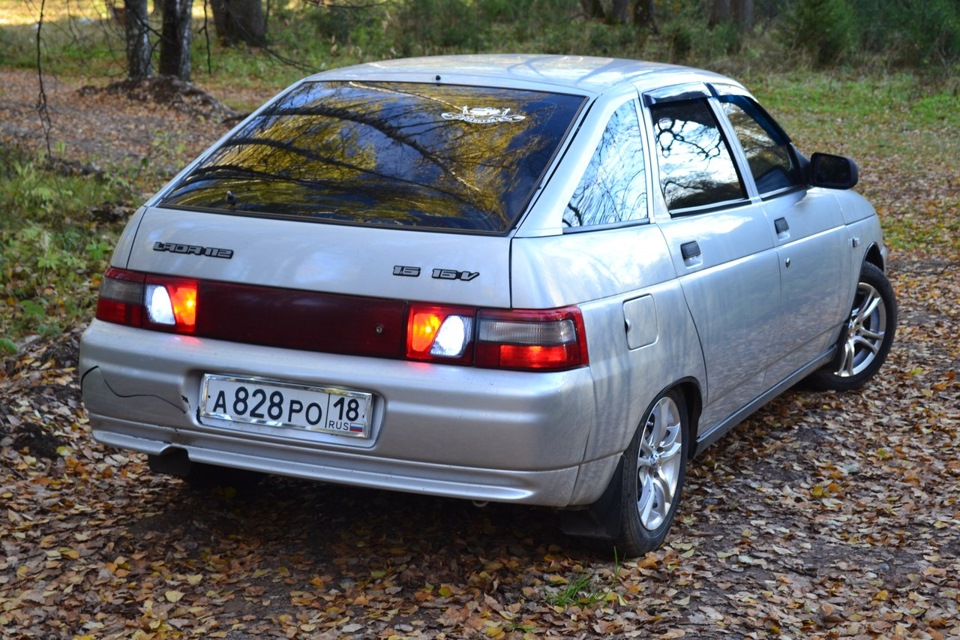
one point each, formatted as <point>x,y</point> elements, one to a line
<point>824,515</point>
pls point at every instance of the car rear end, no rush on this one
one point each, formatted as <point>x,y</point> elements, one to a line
<point>326,294</point>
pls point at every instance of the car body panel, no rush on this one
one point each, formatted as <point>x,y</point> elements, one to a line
<point>583,74</point>
<point>732,290</point>
<point>813,247</point>
<point>425,415</point>
<point>450,268</point>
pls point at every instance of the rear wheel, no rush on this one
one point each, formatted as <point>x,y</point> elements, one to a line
<point>653,474</point>
<point>867,336</point>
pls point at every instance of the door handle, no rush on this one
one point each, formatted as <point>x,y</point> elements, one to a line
<point>690,250</point>
<point>781,225</point>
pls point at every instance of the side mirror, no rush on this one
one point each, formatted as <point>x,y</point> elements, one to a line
<point>833,172</point>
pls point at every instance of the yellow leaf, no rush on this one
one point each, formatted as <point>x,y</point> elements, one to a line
<point>173,596</point>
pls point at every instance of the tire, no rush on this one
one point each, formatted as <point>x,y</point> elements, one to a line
<point>867,336</point>
<point>653,475</point>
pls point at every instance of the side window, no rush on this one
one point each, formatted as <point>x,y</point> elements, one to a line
<point>696,166</point>
<point>614,186</point>
<point>768,151</point>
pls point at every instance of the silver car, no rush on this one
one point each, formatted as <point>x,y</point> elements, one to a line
<point>531,279</point>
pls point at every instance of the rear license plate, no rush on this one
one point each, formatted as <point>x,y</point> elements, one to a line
<point>281,404</point>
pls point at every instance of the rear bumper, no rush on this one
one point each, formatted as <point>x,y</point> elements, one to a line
<point>441,430</point>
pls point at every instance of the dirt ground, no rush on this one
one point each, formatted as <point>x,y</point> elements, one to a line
<point>101,129</point>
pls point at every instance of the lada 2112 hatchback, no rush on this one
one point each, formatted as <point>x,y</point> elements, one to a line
<point>531,279</point>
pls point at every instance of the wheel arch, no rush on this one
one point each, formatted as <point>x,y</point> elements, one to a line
<point>693,399</point>
<point>600,520</point>
<point>874,256</point>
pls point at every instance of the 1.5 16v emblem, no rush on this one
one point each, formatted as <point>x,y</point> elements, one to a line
<point>436,274</point>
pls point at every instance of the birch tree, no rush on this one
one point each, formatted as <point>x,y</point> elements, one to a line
<point>137,30</point>
<point>175,38</point>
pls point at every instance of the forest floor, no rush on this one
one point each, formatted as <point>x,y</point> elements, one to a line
<point>824,515</point>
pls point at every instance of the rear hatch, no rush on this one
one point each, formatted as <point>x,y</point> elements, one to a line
<point>331,288</point>
<point>320,221</point>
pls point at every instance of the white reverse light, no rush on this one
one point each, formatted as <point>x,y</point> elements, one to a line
<point>453,337</point>
<point>159,305</point>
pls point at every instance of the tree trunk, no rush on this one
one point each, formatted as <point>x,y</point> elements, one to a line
<point>593,8</point>
<point>719,12</point>
<point>240,21</point>
<point>643,15</point>
<point>137,29</point>
<point>620,12</point>
<point>742,11</point>
<point>175,39</point>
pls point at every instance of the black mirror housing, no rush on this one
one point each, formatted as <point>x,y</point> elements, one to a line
<point>833,172</point>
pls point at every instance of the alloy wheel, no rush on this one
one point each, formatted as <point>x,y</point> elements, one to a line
<point>659,463</point>
<point>865,331</point>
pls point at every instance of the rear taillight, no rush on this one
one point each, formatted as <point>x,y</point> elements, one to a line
<point>121,298</point>
<point>171,303</point>
<point>531,340</point>
<point>154,302</point>
<point>550,340</point>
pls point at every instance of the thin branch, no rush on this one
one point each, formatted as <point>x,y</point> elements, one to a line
<point>206,35</point>
<point>42,108</point>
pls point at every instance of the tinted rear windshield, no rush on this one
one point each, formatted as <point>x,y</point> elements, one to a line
<point>423,156</point>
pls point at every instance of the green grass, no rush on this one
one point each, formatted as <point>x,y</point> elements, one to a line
<point>901,129</point>
<point>53,248</point>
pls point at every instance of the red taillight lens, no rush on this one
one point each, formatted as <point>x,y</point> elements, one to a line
<point>121,298</point>
<point>550,340</point>
<point>524,340</point>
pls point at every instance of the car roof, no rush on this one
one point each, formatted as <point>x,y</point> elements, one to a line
<point>583,74</point>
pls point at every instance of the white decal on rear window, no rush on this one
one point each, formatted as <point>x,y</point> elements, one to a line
<point>483,115</point>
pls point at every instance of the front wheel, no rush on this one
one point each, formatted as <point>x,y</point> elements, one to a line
<point>654,470</point>
<point>867,336</point>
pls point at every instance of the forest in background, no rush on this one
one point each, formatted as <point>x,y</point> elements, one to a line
<point>255,40</point>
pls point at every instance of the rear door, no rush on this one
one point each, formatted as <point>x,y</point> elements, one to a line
<point>721,249</point>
